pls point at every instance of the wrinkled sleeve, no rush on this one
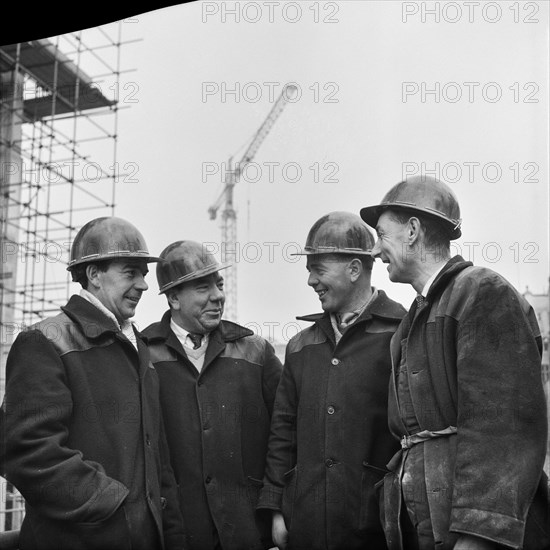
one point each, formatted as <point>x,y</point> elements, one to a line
<point>57,481</point>
<point>502,419</point>
<point>281,454</point>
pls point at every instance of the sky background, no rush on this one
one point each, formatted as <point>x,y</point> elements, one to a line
<point>363,119</point>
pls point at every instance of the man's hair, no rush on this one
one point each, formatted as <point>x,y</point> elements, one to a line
<point>79,272</point>
<point>436,236</point>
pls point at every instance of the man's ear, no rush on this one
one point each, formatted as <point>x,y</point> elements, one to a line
<point>413,230</point>
<point>173,301</point>
<point>92,273</point>
<point>355,269</point>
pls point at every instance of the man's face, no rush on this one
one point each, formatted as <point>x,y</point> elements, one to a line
<point>197,305</point>
<point>391,247</point>
<point>330,278</point>
<point>121,286</point>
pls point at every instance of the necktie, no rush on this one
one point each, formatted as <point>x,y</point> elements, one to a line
<point>196,339</point>
<point>420,299</point>
<point>346,319</point>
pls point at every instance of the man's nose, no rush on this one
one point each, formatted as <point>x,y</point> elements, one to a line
<point>141,284</point>
<point>217,294</point>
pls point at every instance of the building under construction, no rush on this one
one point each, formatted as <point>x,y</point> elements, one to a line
<point>59,109</point>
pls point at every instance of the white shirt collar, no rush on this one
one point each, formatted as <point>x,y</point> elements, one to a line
<point>359,311</point>
<point>430,281</point>
<point>182,334</point>
<point>126,327</point>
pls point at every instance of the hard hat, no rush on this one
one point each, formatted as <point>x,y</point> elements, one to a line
<point>423,194</point>
<point>108,238</point>
<point>339,233</point>
<point>184,261</point>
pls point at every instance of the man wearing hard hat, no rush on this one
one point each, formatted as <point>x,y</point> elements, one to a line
<point>466,398</point>
<point>330,440</point>
<point>81,418</point>
<point>217,384</point>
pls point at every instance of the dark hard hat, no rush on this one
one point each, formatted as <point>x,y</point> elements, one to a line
<point>184,261</point>
<point>422,194</point>
<point>339,233</point>
<point>108,238</point>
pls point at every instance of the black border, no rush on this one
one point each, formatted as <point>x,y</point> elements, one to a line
<point>22,22</point>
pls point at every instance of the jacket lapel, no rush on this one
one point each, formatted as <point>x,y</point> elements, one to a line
<point>216,345</point>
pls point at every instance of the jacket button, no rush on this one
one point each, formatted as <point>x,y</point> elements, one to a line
<point>331,410</point>
<point>208,479</point>
<point>335,361</point>
<point>329,463</point>
<point>148,442</point>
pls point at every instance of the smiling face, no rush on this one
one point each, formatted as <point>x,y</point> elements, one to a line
<point>331,278</point>
<point>197,306</point>
<point>390,247</point>
<point>120,287</point>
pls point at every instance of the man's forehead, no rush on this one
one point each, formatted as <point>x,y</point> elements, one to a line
<point>135,263</point>
<point>323,259</point>
<point>212,277</point>
<point>385,219</point>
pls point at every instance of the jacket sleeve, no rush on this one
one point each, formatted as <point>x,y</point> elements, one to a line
<point>281,454</point>
<point>502,419</point>
<point>57,481</point>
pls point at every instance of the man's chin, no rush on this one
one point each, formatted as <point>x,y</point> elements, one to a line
<point>211,324</point>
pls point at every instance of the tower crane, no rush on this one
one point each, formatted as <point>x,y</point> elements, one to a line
<point>229,215</point>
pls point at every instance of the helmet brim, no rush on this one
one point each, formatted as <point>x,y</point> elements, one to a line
<point>113,256</point>
<point>371,214</point>
<point>213,268</point>
<point>333,250</point>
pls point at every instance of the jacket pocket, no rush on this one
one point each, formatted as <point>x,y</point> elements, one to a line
<point>372,480</point>
<point>112,532</point>
<point>290,480</point>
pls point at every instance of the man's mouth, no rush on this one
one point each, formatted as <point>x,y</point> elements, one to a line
<point>133,299</point>
<point>321,293</point>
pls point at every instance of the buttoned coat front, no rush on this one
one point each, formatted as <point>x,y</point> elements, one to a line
<point>330,440</point>
<point>217,425</point>
<point>82,437</point>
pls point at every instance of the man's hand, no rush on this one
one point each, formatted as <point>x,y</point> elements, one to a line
<point>469,542</point>
<point>279,532</point>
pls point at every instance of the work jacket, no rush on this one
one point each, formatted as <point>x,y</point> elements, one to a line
<point>82,438</point>
<point>473,363</point>
<point>329,438</point>
<point>217,426</point>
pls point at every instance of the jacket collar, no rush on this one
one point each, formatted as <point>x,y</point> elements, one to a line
<point>454,266</point>
<point>227,331</point>
<point>89,318</point>
<point>383,308</point>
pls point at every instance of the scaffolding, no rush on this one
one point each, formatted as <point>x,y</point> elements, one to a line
<point>59,105</point>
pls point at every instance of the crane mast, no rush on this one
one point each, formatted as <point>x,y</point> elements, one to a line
<point>229,215</point>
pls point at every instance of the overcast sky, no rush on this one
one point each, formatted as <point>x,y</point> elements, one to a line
<point>387,89</point>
